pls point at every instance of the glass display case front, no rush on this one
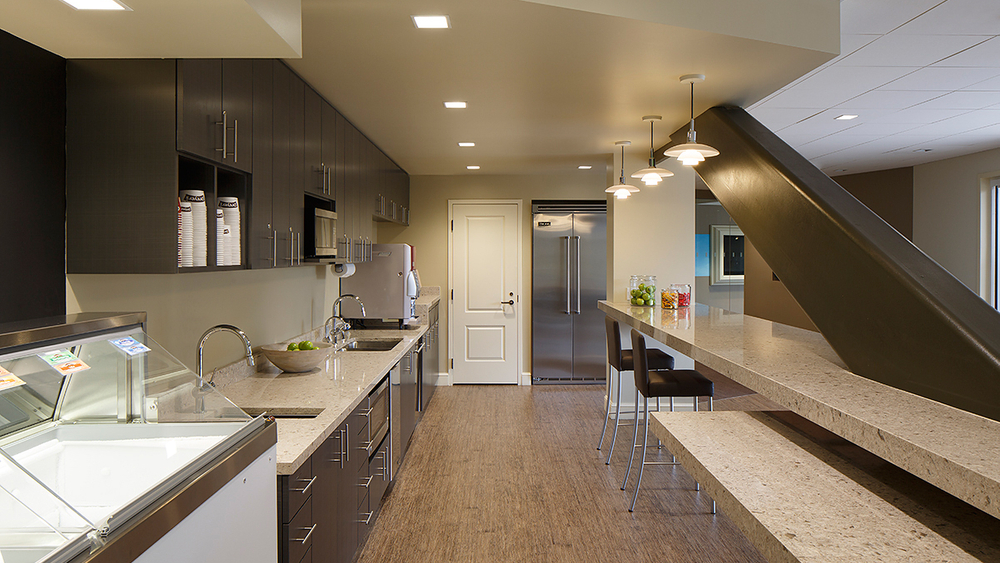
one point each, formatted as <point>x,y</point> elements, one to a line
<point>97,422</point>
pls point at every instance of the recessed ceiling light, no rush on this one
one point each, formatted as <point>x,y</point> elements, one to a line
<point>846,117</point>
<point>923,150</point>
<point>454,105</point>
<point>584,167</point>
<point>472,167</point>
<point>431,22</point>
<point>467,144</point>
<point>97,5</point>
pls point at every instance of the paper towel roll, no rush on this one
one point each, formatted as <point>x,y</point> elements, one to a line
<point>342,270</point>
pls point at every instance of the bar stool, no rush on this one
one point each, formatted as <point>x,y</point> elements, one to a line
<point>621,360</point>
<point>673,383</point>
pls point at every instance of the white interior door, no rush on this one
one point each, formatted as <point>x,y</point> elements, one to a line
<point>486,258</point>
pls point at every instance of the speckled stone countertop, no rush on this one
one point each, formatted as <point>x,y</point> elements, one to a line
<point>947,447</point>
<point>330,391</point>
<point>818,506</point>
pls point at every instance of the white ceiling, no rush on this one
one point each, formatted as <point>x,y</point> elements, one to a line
<point>548,87</point>
<point>920,74</point>
<point>553,83</point>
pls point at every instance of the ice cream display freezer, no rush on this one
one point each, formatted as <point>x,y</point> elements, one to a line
<point>112,450</point>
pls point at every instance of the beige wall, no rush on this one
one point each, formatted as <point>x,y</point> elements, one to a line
<point>428,230</point>
<point>949,215</point>
<point>269,305</point>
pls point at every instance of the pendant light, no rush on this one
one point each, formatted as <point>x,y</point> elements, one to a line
<point>691,152</point>
<point>621,189</point>
<point>652,175</point>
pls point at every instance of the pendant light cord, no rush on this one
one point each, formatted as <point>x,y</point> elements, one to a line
<point>691,133</point>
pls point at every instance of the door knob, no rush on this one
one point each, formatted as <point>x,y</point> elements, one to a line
<point>511,302</point>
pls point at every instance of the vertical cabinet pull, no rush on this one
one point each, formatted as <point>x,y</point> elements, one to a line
<point>236,140</point>
<point>577,237</point>
<point>225,133</point>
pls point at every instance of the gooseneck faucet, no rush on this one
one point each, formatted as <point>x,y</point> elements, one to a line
<point>210,332</point>
<point>339,323</point>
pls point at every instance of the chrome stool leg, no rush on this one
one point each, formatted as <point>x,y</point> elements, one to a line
<point>645,435</point>
<point>607,407</point>
<point>635,440</point>
<point>618,417</point>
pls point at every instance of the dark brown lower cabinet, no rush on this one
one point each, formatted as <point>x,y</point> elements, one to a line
<point>328,505</point>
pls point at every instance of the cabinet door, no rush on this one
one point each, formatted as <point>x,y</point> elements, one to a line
<point>237,104</point>
<point>262,248</point>
<point>327,463</point>
<point>316,178</point>
<point>297,169</point>
<point>282,163</point>
<point>345,221</point>
<point>199,107</point>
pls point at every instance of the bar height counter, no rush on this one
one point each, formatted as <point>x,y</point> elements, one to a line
<point>952,449</point>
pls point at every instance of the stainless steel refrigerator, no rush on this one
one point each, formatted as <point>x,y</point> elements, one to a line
<point>569,277</point>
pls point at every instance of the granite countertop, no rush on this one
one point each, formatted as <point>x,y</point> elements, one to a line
<point>950,448</point>
<point>323,397</point>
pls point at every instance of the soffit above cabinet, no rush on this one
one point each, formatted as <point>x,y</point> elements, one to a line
<point>159,29</point>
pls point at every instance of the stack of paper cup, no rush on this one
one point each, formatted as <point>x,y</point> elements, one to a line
<point>230,248</point>
<point>199,214</point>
<point>187,235</point>
<point>231,212</point>
<point>220,241</point>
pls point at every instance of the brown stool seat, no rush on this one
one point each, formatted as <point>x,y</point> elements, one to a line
<point>656,360</point>
<point>624,360</point>
<point>679,383</point>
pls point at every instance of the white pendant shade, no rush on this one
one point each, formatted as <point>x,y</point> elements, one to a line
<point>621,189</point>
<point>691,152</point>
<point>652,175</point>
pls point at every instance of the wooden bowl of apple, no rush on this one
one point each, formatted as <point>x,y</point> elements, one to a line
<point>296,357</point>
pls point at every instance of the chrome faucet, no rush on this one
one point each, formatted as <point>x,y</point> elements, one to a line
<point>210,332</point>
<point>340,326</point>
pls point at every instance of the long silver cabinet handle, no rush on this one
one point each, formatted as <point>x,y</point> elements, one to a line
<point>308,484</point>
<point>347,440</point>
<point>577,237</point>
<point>368,518</point>
<point>568,290</point>
<point>305,539</point>
<point>225,134</point>
<point>236,140</point>
<point>367,483</point>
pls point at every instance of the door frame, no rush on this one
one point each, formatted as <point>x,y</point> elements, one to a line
<point>522,379</point>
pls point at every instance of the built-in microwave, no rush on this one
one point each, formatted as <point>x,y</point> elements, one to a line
<point>320,229</point>
<point>325,238</point>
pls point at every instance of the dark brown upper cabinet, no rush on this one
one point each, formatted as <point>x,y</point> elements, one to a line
<point>214,110</point>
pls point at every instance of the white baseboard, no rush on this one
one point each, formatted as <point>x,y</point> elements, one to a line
<point>525,378</point>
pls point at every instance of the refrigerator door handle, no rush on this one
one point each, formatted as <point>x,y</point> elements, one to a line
<point>569,290</point>
<point>577,237</point>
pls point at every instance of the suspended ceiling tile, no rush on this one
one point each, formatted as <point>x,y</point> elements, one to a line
<point>881,129</point>
<point>850,81</point>
<point>919,116</point>
<point>985,54</point>
<point>897,49</point>
<point>893,99</point>
<point>942,78</point>
<point>866,16</point>
<point>957,17</point>
<point>963,99</point>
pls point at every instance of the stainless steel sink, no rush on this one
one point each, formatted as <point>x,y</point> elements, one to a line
<point>381,345</point>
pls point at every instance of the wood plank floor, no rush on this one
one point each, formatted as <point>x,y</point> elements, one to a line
<point>497,473</point>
